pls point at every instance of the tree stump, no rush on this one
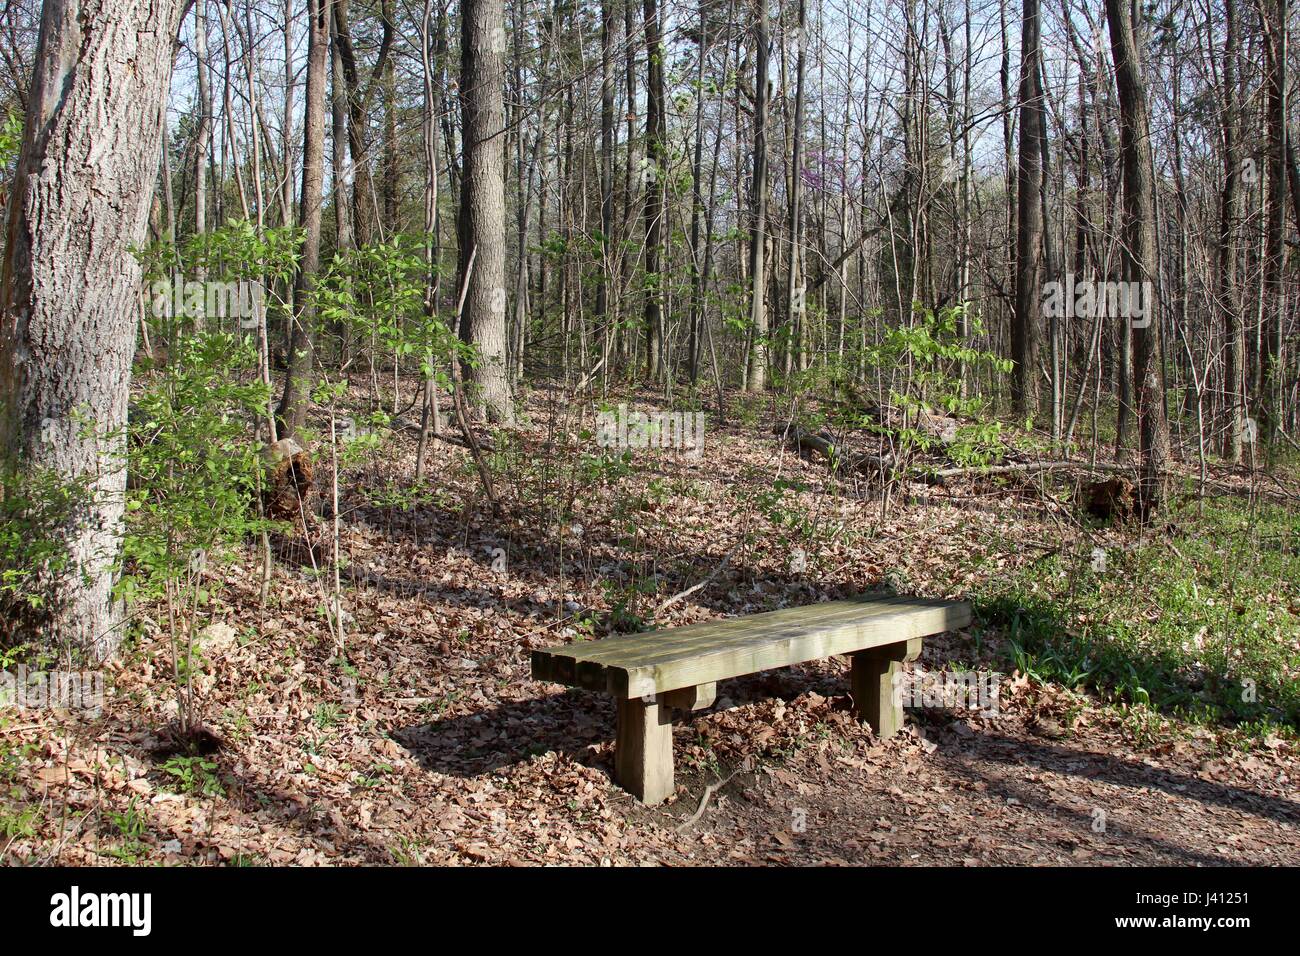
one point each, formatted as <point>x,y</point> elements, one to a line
<point>1110,499</point>
<point>288,481</point>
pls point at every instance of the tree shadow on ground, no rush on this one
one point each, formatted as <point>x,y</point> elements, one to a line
<point>1075,819</point>
<point>1121,772</point>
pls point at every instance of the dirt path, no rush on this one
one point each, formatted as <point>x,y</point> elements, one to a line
<point>1003,795</point>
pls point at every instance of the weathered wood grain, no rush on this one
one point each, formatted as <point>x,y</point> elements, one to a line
<point>692,698</point>
<point>872,678</point>
<point>643,749</point>
<point>660,661</point>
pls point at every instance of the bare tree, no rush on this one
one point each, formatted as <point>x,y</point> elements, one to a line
<point>1272,372</point>
<point>1234,333</point>
<point>758,358</point>
<point>1029,219</point>
<point>1139,253</point>
<point>656,166</point>
<point>203,130</point>
<point>795,283</point>
<point>302,343</point>
<point>482,204</point>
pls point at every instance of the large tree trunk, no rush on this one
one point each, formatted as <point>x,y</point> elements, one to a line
<point>391,185</point>
<point>429,413</point>
<point>286,129</point>
<point>483,204</point>
<point>757,379</point>
<point>1271,385</point>
<point>80,200</point>
<point>1029,221</point>
<point>343,171</point>
<point>656,169</point>
<point>302,346</point>
<point>364,213</point>
<point>608,23</point>
<point>795,286</point>
<point>1234,333</point>
<point>203,131</point>
<point>626,336</point>
<point>1139,254</point>
<point>697,205</point>
<point>1011,173</point>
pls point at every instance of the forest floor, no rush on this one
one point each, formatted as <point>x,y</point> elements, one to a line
<point>426,742</point>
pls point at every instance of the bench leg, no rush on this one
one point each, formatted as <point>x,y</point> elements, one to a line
<point>873,677</point>
<point>643,749</point>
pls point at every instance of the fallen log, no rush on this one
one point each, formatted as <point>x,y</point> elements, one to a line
<point>1106,499</point>
<point>484,442</point>
<point>1028,467</point>
<point>842,462</point>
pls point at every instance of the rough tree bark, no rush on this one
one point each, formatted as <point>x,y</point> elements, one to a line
<point>795,286</point>
<point>697,205</point>
<point>203,131</point>
<point>1029,220</point>
<point>359,98</point>
<point>756,380</point>
<point>481,225</point>
<point>340,137</point>
<point>1140,254</point>
<point>1234,333</point>
<point>80,200</point>
<point>656,162</point>
<point>608,26</point>
<point>1271,384</point>
<point>302,343</point>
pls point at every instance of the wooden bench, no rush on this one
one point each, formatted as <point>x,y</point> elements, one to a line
<point>658,672</point>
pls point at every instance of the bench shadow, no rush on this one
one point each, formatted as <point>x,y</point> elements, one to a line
<point>571,723</point>
<point>568,723</point>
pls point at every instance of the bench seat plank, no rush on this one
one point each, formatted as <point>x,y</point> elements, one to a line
<point>658,661</point>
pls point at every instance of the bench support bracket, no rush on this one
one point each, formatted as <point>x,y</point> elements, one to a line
<point>687,699</point>
<point>643,749</point>
<point>873,676</point>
